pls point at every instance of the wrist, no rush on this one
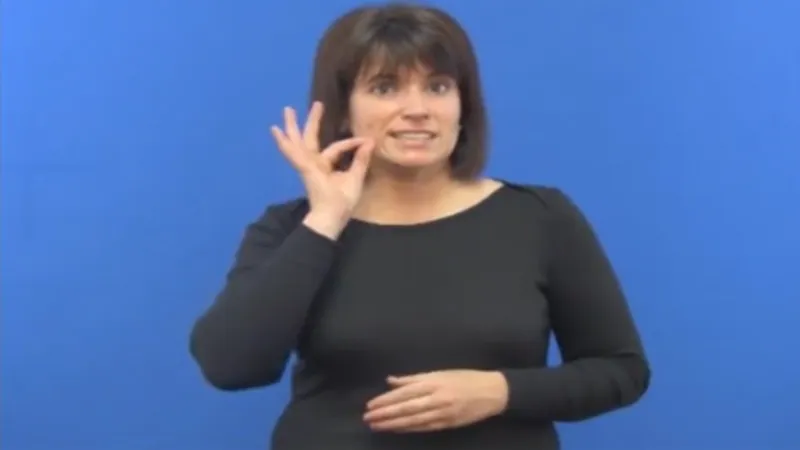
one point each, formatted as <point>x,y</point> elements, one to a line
<point>329,225</point>
<point>497,391</point>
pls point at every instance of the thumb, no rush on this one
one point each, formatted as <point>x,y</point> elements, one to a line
<point>362,157</point>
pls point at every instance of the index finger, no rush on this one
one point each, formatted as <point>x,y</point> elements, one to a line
<point>311,128</point>
<point>400,394</point>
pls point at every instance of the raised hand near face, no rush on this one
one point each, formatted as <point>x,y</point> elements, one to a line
<point>332,194</point>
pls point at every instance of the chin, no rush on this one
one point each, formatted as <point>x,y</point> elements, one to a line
<point>413,158</point>
<point>416,160</point>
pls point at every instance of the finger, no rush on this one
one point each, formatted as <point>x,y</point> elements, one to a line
<point>407,408</point>
<point>311,128</point>
<point>406,379</point>
<point>435,425</point>
<point>337,149</point>
<point>284,145</point>
<point>399,395</point>
<point>361,159</point>
<point>292,129</point>
<point>424,421</point>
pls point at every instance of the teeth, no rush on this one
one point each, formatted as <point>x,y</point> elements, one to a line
<point>413,135</point>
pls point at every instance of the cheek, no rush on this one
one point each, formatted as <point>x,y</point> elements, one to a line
<point>452,117</point>
<point>366,126</point>
<point>362,126</point>
<point>368,118</point>
<point>456,112</point>
<point>449,112</point>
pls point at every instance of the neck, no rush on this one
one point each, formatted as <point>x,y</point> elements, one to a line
<point>408,197</point>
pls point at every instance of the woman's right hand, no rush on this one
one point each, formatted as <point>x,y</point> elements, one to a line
<point>332,194</point>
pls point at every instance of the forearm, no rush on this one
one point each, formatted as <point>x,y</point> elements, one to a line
<point>576,390</point>
<point>247,335</point>
<point>604,367</point>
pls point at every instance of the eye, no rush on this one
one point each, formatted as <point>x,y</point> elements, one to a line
<point>440,86</point>
<point>382,87</point>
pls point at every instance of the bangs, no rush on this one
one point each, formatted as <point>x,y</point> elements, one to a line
<point>397,47</point>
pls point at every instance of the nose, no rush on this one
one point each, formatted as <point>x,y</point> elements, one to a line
<point>415,105</point>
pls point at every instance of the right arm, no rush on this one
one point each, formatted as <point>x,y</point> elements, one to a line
<point>245,338</point>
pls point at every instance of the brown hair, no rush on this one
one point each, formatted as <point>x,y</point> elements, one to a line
<point>396,36</point>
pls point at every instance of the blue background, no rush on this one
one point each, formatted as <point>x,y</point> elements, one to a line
<point>135,148</point>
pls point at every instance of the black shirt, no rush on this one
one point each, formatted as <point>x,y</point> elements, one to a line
<point>482,289</point>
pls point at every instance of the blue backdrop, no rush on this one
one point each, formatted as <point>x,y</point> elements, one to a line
<point>135,148</point>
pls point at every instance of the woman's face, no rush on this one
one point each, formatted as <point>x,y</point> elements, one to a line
<point>412,115</point>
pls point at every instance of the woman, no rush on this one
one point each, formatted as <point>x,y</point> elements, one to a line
<point>418,295</point>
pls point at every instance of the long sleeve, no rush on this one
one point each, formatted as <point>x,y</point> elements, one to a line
<point>245,338</point>
<point>604,366</point>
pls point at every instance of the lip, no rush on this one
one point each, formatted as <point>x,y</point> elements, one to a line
<point>395,133</point>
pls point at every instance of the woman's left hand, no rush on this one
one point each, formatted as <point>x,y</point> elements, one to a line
<point>437,400</point>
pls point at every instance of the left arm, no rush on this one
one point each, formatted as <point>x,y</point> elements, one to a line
<point>604,366</point>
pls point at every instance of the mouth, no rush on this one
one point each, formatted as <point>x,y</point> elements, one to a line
<point>413,135</point>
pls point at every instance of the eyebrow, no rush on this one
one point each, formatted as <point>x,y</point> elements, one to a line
<point>382,76</point>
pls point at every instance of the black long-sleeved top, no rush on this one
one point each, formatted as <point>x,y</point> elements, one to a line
<point>482,289</point>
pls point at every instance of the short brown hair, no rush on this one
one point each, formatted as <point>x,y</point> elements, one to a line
<point>395,36</point>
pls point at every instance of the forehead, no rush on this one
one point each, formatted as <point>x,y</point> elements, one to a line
<point>404,59</point>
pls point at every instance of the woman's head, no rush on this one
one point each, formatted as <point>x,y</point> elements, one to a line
<point>406,76</point>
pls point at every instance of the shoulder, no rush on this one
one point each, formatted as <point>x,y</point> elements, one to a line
<point>550,200</point>
<point>281,216</point>
<point>561,218</point>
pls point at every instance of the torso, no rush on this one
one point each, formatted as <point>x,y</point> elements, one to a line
<point>465,291</point>
<point>452,198</point>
